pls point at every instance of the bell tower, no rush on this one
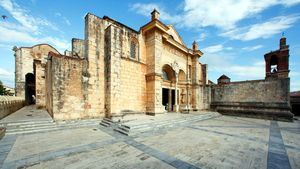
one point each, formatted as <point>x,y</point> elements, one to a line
<point>277,62</point>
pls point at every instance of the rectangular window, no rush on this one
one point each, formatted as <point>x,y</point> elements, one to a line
<point>190,72</point>
<point>133,50</point>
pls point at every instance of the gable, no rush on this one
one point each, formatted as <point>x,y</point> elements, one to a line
<point>175,34</point>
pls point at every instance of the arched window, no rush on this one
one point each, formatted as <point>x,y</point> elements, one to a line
<point>134,47</point>
<point>133,50</point>
<point>274,64</point>
<point>168,73</point>
<point>165,75</point>
<point>181,76</point>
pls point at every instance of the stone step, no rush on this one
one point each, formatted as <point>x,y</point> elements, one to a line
<point>26,123</point>
<point>120,130</point>
<point>29,125</point>
<point>131,130</point>
<point>104,124</point>
<point>108,120</point>
<point>54,128</point>
<point>49,124</point>
<point>9,130</point>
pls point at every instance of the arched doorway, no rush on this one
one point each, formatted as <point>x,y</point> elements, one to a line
<point>168,92</point>
<point>30,88</point>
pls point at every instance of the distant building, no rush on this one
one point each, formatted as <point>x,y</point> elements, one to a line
<point>295,102</point>
<point>10,90</point>
<point>266,98</point>
<point>223,79</point>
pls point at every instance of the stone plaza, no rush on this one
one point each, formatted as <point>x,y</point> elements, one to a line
<point>123,98</point>
<point>216,141</point>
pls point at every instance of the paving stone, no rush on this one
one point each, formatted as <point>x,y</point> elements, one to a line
<point>223,142</point>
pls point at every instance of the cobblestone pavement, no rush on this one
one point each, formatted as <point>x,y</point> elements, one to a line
<point>221,142</point>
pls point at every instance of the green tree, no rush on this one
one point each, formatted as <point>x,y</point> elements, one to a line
<point>3,90</point>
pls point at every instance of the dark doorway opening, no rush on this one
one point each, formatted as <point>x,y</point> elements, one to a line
<point>166,100</point>
<point>296,109</point>
<point>30,88</point>
<point>173,99</point>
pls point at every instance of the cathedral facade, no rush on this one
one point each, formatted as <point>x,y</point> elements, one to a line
<point>114,70</point>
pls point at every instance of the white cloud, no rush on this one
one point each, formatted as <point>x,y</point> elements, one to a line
<point>223,62</point>
<point>295,82</point>
<point>294,74</point>
<point>24,18</point>
<point>7,77</point>
<point>224,14</point>
<point>215,49</point>
<point>146,9</point>
<point>26,28</point>
<point>11,36</point>
<point>4,72</point>
<point>58,43</point>
<point>289,2</point>
<point>5,46</point>
<point>66,20</point>
<point>252,48</point>
<point>262,30</point>
<point>201,37</point>
<point>246,72</point>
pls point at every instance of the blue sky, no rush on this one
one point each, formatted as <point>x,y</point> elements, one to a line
<point>234,35</point>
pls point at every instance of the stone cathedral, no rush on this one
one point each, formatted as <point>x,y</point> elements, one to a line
<point>114,70</point>
<point>117,70</point>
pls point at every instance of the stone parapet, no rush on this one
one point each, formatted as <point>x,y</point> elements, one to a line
<point>258,98</point>
<point>10,104</point>
<point>274,111</point>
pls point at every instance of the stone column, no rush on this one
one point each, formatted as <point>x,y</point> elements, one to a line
<point>188,97</point>
<point>176,102</point>
<point>169,100</point>
<point>175,67</point>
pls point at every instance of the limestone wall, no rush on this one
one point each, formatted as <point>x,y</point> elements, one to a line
<point>10,104</point>
<point>252,91</point>
<point>78,48</point>
<point>66,95</point>
<point>24,62</point>
<point>154,48</point>
<point>266,98</point>
<point>125,76</point>
<point>170,54</point>
<point>40,88</point>
<point>94,69</point>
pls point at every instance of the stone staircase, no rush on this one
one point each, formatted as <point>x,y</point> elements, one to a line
<point>106,122</point>
<point>130,130</point>
<point>27,127</point>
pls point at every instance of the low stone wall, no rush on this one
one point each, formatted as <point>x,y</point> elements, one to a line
<point>10,104</point>
<point>258,98</point>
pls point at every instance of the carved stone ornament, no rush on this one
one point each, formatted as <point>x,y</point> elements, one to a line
<point>175,67</point>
